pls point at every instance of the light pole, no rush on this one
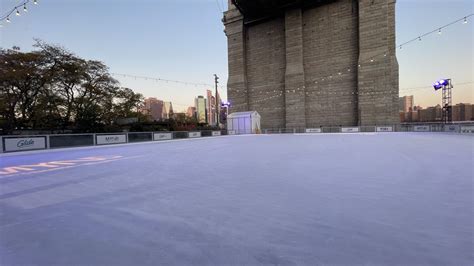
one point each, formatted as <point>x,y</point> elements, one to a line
<point>216,81</point>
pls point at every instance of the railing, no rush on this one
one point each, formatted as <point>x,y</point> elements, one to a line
<point>461,127</point>
<point>16,143</point>
<point>41,142</point>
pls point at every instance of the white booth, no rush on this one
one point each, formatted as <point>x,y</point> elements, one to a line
<point>244,123</point>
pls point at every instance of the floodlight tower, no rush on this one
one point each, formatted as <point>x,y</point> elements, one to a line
<point>446,85</point>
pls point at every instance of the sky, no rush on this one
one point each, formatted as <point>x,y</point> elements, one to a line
<point>184,40</point>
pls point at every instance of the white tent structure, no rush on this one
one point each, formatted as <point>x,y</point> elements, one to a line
<point>244,122</point>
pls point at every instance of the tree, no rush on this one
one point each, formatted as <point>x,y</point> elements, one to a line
<point>51,88</point>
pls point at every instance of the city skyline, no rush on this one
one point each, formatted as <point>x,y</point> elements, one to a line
<point>149,49</point>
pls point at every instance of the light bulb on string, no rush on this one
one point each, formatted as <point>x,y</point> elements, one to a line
<point>439,31</point>
<point>8,19</point>
<point>17,12</point>
<point>24,8</point>
<point>419,38</point>
<point>465,20</point>
<point>35,2</point>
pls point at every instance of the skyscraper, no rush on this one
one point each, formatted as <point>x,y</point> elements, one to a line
<point>191,112</point>
<point>153,108</point>
<point>201,110</point>
<point>211,108</point>
<point>406,104</point>
<point>167,110</point>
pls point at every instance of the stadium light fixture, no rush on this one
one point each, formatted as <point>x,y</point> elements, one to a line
<point>440,83</point>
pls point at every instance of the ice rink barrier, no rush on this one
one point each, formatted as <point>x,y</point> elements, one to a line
<point>17,143</point>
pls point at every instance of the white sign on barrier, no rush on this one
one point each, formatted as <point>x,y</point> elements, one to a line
<point>349,129</point>
<point>384,129</point>
<point>24,144</point>
<point>216,133</point>
<point>451,128</point>
<point>194,134</point>
<point>110,139</point>
<point>231,132</point>
<point>467,129</point>
<point>421,128</point>
<point>313,130</point>
<point>162,136</point>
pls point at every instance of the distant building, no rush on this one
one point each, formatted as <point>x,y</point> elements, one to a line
<point>179,116</point>
<point>201,110</point>
<point>407,117</point>
<point>167,110</point>
<point>211,108</point>
<point>462,112</point>
<point>431,114</point>
<point>406,103</point>
<point>153,108</point>
<point>191,112</point>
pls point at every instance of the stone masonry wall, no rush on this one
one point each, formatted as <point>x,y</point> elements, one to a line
<point>326,66</point>
<point>265,55</point>
<point>331,47</point>
<point>378,76</point>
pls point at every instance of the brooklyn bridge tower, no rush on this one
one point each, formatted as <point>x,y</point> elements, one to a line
<point>311,63</point>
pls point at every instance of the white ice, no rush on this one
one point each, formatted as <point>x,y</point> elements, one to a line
<point>352,199</point>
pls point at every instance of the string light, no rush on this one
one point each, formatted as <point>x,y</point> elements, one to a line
<point>186,83</point>
<point>15,9</point>
<point>439,31</point>
<point>418,38</point>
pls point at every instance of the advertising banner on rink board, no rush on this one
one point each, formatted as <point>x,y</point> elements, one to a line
<point>349,129</point>
<point>231,132</point>
<point>162,136</point>
<point>194,134</point>
<point>111,139</point>
<point>421,128</point>
<point>467,129</point>
<point>24,144</point>
<point>451,128</point>
<point>313,130</point>
<point>384,129</point>
<point>216,133</point>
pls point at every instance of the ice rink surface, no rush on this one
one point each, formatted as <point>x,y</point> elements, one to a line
<point>345,199</point>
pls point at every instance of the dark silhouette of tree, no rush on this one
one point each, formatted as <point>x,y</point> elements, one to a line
<point>50,88</point>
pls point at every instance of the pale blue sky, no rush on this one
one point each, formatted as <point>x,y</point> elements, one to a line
<point>184,40</point>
